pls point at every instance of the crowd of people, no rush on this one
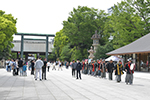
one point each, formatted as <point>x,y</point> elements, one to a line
<point>16,66</point>
<point>99,69</point>
<point>39,66</point>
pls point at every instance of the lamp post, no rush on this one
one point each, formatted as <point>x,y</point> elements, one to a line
<point>95,39</point>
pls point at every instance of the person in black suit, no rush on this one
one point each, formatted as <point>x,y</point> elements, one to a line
<point>110,68</point>
<point>44,69</point>
<point>78,68</point>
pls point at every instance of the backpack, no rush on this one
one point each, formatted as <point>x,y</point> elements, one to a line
<point>7,63</point>
<point>14,64</point>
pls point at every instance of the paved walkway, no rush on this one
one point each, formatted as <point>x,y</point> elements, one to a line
<point>61,86</point>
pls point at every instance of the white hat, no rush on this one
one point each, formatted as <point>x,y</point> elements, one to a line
<point>129,59</point>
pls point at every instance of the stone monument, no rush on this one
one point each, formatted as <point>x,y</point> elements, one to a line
<point>91,51</point>
<point>95,39</point>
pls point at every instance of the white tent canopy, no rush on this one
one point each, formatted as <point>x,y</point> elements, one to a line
<point>114,58</point>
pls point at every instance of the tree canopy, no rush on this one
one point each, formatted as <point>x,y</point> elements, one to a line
<point>128,21</point>
<point>127,25</point>
<point>7,29</point>
<point>74,39</point>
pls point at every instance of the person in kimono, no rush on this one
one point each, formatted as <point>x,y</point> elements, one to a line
<point>86,67</point>
<point>93,67</point>
<point>129,68</point>
<point>118,71</point>
<point>103,69</point>
<point>83,66</point>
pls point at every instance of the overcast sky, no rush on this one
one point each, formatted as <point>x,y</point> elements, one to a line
<point>46,16</point>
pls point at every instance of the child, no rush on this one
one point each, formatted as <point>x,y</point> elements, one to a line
<point>24,69</point>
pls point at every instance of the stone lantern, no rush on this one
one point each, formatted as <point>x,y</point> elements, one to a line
<point>95,39</point>
<point>91,51</point>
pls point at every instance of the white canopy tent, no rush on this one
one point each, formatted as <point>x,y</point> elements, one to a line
<point>114,58</point>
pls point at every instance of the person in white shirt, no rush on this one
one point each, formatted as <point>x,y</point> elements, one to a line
<point>7,64</point>
<point>17,67</point>
<point>48,65</point>
<point>59,62</point>
<point>54,65</point>
<point>38,66</point>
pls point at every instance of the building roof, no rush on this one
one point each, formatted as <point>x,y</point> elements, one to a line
<point>36,34</point>
<point>141,45</point>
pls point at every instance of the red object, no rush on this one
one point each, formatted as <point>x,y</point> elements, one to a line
<point>86,60</point>
<point>129,68</point>
<point>147,63</point>
<point>99,65</point>
<point>93,68</point>
<point>83,66</point>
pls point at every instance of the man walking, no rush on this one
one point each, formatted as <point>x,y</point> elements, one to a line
<point>110,67</point>
<point>44,69</point>
<point>78,68</point>
<point>38,67</point>
<point>73,68</point>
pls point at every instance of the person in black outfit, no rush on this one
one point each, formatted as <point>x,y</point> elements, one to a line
<point>110,67</point>
<point>78,68</point>
<point>20,65</point>
<point>32,67</point>
<point>44,69</point>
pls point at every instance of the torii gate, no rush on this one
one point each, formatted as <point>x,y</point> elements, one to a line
<point>34,34</point>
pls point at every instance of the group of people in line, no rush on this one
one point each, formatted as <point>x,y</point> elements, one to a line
<point>100,67</point>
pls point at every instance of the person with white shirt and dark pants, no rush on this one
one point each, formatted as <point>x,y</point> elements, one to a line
<point>48,65</point>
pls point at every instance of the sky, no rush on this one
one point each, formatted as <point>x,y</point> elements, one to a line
<point>46,16</point>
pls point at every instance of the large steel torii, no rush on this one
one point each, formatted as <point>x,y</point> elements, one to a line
<point>34,34</point>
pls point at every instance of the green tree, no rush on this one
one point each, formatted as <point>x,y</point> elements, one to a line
<point>80,27</point>
<point>66,53</point>
<point>13,55</point>
<point>102,50</point>
<point>60,41</point>
<point>143,10</point>
<point>7,29</point>
<point>127,25</point>
<point>52,56</point>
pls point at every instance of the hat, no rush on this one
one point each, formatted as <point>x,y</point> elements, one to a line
<point>77,59</point>
<point>130,59</point>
